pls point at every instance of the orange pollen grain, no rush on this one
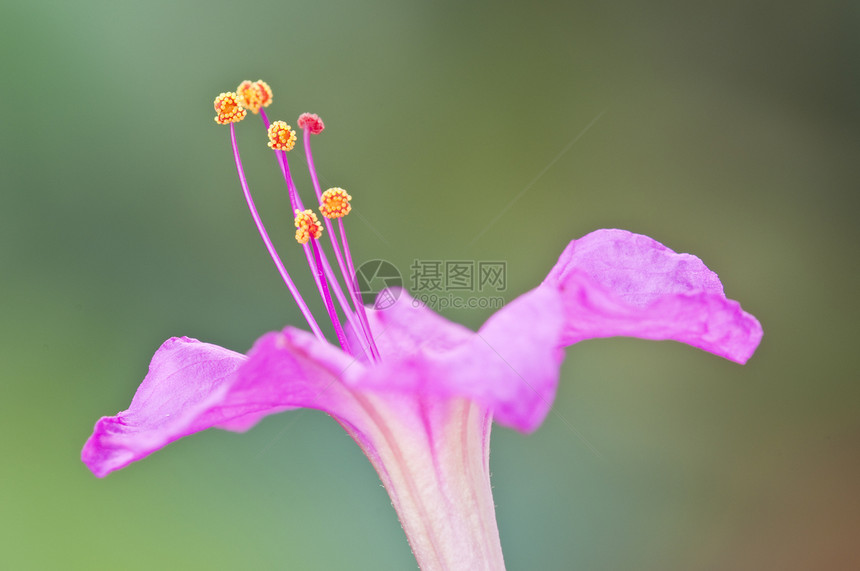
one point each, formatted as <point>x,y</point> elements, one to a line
<point>254,94</point>
<point>335,203</point>
<point>228,109</point>
<point>307,226</point>
<point>281,136</point>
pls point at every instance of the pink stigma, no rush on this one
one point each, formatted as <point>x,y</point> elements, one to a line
<point>311,122</point>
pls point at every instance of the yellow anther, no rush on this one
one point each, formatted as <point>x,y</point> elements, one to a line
<point>228,109</point>
<point>307,226</point>
<point>254,94</point>
<point>281,136</point>
<point>335,203</point>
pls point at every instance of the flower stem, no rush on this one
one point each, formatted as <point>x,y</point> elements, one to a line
<point>303,307</point>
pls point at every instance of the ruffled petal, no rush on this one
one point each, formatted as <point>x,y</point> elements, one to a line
<point>430,450</point>
<point>187,379</point>
<point>510,366</point>
<point>192,386</point>
<point>615,283</point>
<point>518,372</point>
<point>408,326</point>
<point>291,369</point>
<point>418,347</point>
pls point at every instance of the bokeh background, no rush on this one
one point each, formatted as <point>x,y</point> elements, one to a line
<point>464,131</point>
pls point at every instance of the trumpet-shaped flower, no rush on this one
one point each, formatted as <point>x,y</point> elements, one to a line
<point>417,392</point>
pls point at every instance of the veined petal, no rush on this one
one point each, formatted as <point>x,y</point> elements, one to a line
<point>409,327</point>
<point>192,386</point>
<point>416,345</point>
<point>187,380</point>
<point>292,368</point>
<point>519,375</point>
<point>510,366</point>
<point>429,449</point>
<point>615,283</point>
<point>432,455</point>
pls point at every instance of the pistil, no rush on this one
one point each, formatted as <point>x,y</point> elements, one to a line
<point>282,139</point>
<point>254,96</point>
<point>311,124</point>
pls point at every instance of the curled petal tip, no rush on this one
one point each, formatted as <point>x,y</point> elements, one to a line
<point>616,283</point>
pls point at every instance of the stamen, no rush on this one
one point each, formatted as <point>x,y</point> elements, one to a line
<point>308,121</point>
<point>307,226</point>
<point>334,203</point>
<point>254,94</point>
<point>296,204</point>
<point>281,157</point>
<point>281,136</point>
<point>353,290</point>
<point>317,257</point>
<point>228,109</point>
<point>303,307</point>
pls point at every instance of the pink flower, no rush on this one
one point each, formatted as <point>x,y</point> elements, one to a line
<point>421,402</point>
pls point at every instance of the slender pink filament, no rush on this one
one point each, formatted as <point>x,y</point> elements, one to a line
<point>306,312</point>
<point>296,204</point>
<point>347,270</point>
<point>341,337</point>
<point>353,288</point>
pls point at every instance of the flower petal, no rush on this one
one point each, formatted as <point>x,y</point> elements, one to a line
<point>292,368</point>
<point>615,282</point>
<point>408,326</point>
<point>417,346</point>
<point>519,374</point>
<point>186,380</point>
<point>510,366</point>
<point>192,386</point>
<point>430,450</point>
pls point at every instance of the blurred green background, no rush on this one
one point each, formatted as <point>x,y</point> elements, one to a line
<point>730,130</point>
